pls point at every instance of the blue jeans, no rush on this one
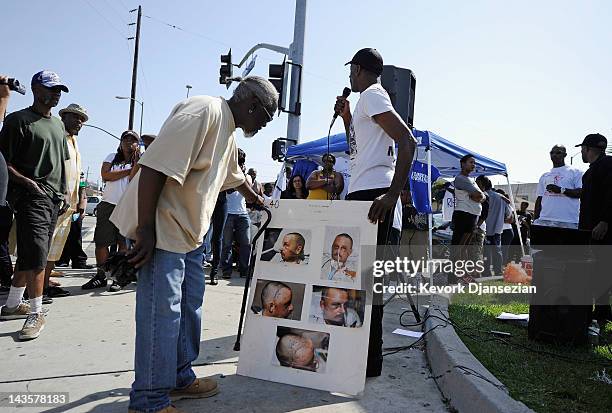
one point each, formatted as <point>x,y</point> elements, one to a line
<point>169,299</point>
<point>219,217</point>
<point>237,227</point>
<point>207,252</point>
<point>493,250</point>
<point>506,239</point>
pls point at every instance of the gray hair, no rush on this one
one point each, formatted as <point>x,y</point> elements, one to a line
<point>256,86</point>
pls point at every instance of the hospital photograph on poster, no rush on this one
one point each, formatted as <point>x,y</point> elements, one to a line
<point>341,247</point>
<point>286,246</point>
<point>300,349</point>
<point>337,306</point>
<point>278,299</point>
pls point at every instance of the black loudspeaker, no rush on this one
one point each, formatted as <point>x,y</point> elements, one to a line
<point>400,84</point>
<point>558,312</point>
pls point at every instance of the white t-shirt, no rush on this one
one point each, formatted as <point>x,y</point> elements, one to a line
<point>559,207</point>
<point>236,204</point>
<point>372,150</point>
<point>115,189</point>
<point>465,185</point>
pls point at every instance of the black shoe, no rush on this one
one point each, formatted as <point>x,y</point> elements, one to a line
<point>45,298</point>
<point>115,286</point>
<point>55,292</point>
<point>61,264</point>
<point>95,282</point>
<point>83,267</point>
<point>213,281</point>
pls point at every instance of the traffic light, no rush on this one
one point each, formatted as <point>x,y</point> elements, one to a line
<point>226,71</point>
<point>279,148</point>
<point>278,76</point>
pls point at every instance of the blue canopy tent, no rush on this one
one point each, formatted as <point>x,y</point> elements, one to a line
<point>432,149</point>
<point>445,154</point>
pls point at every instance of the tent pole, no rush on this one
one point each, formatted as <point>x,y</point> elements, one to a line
<point>430,214</point>
<point>518,226</point>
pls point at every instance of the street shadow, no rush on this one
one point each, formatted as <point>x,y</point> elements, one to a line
<point>112,406</point>
<point>13,334</point>
<point>259,395</point>
<point>216,349</point>
<point>76,290</point>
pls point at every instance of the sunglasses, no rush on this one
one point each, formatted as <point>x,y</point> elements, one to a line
<point>270,117</point>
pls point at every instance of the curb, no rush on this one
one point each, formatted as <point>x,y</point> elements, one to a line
<point>463,380</point>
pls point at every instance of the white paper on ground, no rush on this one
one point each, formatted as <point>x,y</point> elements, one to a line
<point>407,333</point>
<point>510,316</point>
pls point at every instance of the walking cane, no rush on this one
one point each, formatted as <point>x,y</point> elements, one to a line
<point>247,282</point>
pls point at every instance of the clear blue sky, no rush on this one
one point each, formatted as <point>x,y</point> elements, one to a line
<point>506,79</point>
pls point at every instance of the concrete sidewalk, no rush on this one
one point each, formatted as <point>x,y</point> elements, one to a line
<point>87,349</point>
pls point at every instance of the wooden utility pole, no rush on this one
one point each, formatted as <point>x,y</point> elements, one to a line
<point>135,68</point>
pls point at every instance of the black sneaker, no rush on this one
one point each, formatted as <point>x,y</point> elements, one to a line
<point>83,267</point>
<point>45,298</point>
<point>115,286</point>
<point>61,264</point>
<point>95,282</point>
<point>54,292</point>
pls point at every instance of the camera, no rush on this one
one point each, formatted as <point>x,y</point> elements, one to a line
<point>14,85</point>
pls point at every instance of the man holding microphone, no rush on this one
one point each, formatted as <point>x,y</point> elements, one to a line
<point>372,131</point>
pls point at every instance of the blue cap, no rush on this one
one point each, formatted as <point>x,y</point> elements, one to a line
<point>48,79</point>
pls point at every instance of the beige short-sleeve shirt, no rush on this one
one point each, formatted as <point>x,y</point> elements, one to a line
<point>196,149</point>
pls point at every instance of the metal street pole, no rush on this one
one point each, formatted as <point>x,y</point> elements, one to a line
<point>141,114</point>
<point>297,56</point>
<point>141,108</point>
<point>188,89</point>
<point>135,67</point>
<point>103,130</point>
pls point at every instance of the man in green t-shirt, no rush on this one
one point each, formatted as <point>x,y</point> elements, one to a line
<point>34,146</point>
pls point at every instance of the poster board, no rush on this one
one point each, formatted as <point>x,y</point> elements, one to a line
<point>308,309</point>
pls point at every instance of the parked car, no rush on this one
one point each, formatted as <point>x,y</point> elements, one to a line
<point>92,205</point>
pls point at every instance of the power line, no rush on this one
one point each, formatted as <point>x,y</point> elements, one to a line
<point>174,26</point>
<point>112,7</point>
<point>110,23</point>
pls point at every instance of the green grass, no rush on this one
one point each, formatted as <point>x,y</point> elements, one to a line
<point>544,383</point>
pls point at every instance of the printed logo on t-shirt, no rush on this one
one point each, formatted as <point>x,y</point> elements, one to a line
<point>352,142</point>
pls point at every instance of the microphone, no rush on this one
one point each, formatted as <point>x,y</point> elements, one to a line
<point>345,93</point>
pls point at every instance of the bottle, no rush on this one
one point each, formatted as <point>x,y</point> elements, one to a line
<point>527,264</point>
<point>593,332</point>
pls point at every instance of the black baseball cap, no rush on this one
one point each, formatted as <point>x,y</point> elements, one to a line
<point>594,140</point>
<point>369,59</point>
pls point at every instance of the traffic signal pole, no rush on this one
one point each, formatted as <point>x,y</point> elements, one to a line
<point>297,57</point>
